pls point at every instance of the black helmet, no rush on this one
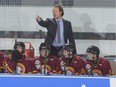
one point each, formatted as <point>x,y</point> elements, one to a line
<point>19,44</point>
<point>68,47</point>
<point>93,49</point>
<point>44,46</point>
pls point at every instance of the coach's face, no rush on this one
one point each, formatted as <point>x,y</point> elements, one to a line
<point>56,13</point>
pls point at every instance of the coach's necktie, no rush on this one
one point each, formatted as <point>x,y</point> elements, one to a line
<point>58,32</point>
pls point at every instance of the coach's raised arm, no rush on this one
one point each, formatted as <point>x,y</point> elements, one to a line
<point>59,30</point>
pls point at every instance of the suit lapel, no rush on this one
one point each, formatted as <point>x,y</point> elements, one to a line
<point>55,24</point>
<point>54,20</point>
<point>54,28</point>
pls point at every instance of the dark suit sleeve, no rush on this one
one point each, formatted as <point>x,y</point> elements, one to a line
<point>43,23</point>
<point>71,37</point>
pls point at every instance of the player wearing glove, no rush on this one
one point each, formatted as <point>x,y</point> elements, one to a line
<point>17,62</point>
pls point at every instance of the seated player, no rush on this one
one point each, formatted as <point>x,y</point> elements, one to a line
<point>45,63</point>
<point>96,65</point>
<point>17,63</point>
<point>1,62</point>
<point>70,63</point>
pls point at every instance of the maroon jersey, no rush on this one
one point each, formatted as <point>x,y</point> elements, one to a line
<point>102,68</point>
<point>74,67</point>
<point>21,67</point>
<point>1,63</point>
<point>42,67</point>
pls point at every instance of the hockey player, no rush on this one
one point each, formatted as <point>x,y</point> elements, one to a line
<point>96,65</point>
<point>1,62</point>
<point>17,62</point>
<point>70,63</point>
<point>45,63</point>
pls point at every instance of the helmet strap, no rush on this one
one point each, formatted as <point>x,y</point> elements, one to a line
<point>95,61</point>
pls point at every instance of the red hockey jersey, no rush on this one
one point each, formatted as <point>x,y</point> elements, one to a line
<point>21,67</point>
<point>1,63</point>
<point>75,67</point>
<point>102,68</point>
<point>42,67</point>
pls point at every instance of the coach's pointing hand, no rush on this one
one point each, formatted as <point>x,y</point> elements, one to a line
<point>37,17</point>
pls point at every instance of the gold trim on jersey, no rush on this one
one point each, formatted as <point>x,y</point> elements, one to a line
<point>10,70</point>
<point>1,67</point>
<point>59,72</point>
<point>54,71</point>
<point>22,66</point>
<point>47,67</point>
<point>34,71</point>
<point>7,67</point>
<point>97,71</point>
<point>83,71</point>
<point>76,73</point>
<point>110,73</point>
<point>29,72</point>
<point>71,69</point>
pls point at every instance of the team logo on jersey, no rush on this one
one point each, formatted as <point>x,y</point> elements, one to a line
<point>75,61</point>
<point>100,64</point>
<point>88,67</point>
<point>20,68</point>
<point>63,65</point>
<point>52,59</point>
<point>37,64</point>
<point>69,70</point>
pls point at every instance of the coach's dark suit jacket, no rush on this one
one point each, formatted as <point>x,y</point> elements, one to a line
<point>51,26</point>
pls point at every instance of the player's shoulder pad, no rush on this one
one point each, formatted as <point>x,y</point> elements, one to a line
<point>1,55</point>
<point>6,57</point>
<point>53,57</point>
<point>78,57</point>
<point>35,58</point>
<point>103,59</point>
